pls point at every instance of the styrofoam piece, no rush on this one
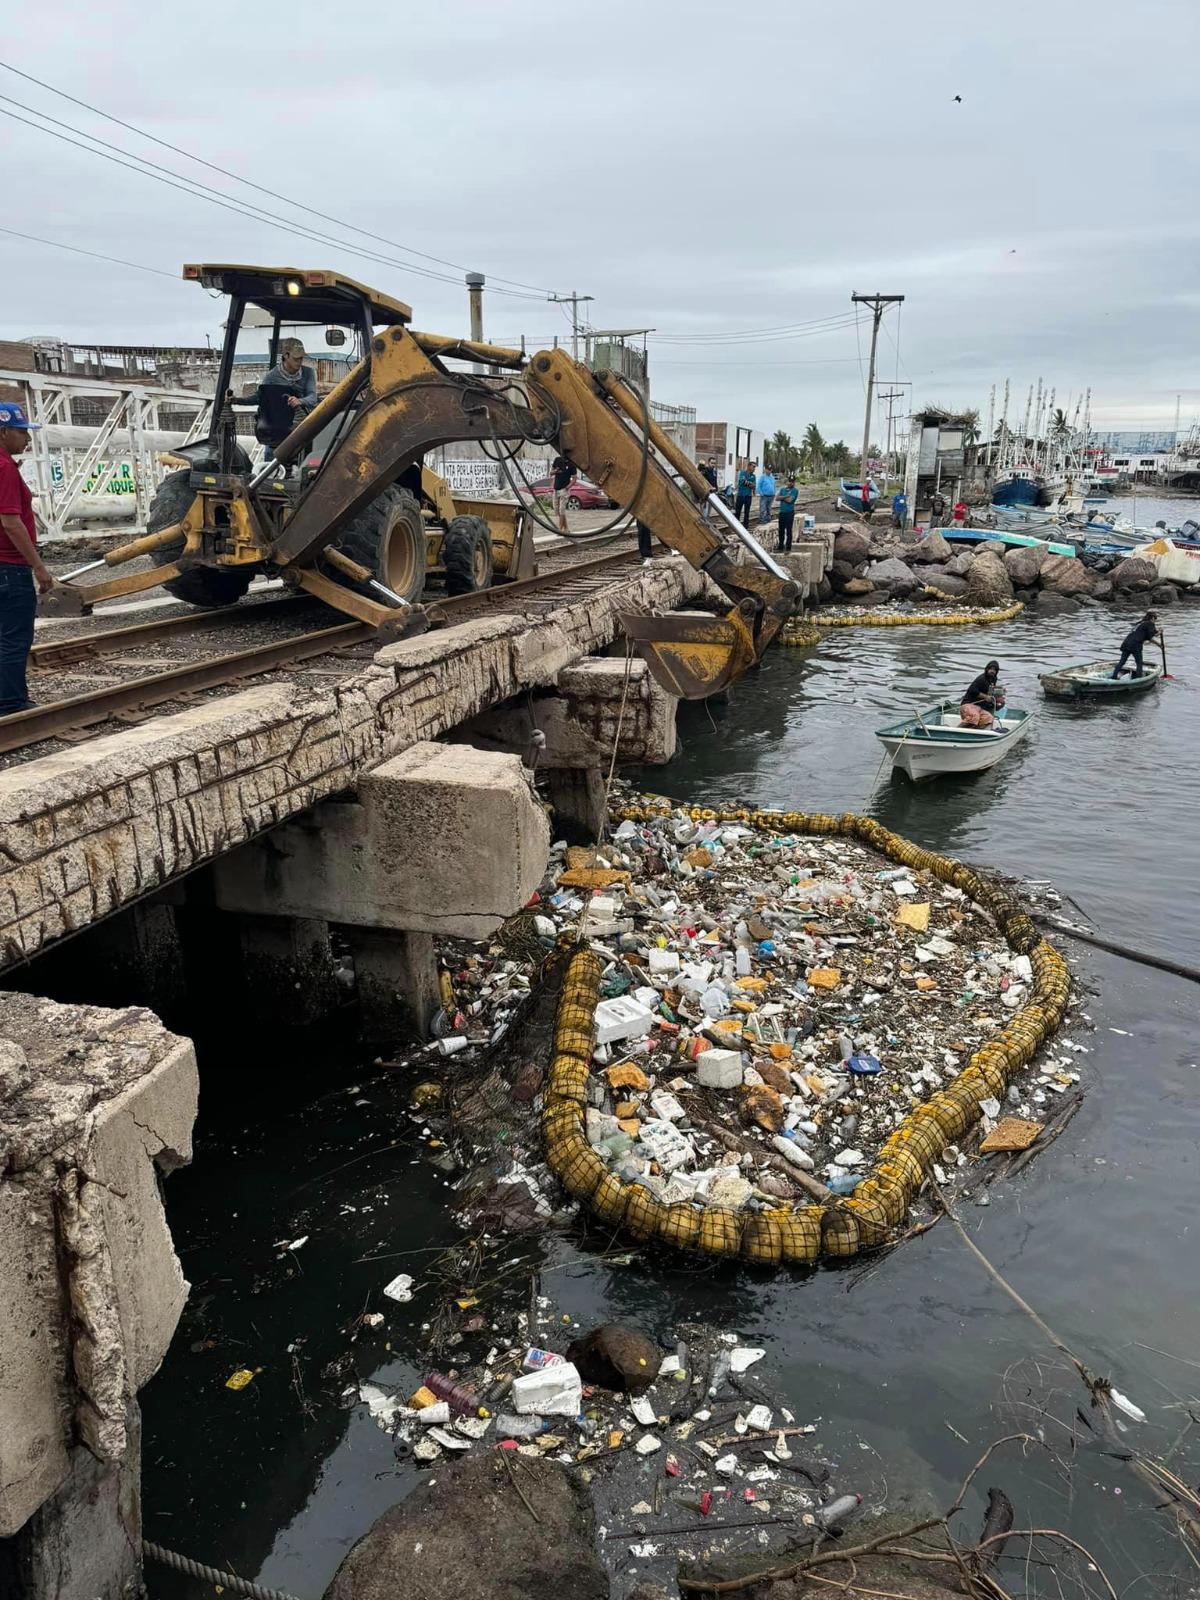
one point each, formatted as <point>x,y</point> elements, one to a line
<point>621,1018</point>
<point>664,962</point>
<point>719,1069</point>
<point>553,1392</point>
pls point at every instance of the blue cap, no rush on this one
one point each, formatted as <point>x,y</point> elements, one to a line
<point>13,416</point>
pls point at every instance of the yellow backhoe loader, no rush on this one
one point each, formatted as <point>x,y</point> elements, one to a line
<point>346,510</point>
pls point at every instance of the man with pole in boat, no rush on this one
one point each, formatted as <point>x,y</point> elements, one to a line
<point>1136,640</point>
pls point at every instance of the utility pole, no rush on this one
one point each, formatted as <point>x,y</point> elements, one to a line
<point>574,300</point>
<point>877,303</point>
<point>889,395</point>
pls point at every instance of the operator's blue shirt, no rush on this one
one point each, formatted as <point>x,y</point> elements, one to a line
<point>787,497</point>
<point>745,483</point>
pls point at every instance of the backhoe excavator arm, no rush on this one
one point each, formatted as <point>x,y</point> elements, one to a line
<point>408,403</point>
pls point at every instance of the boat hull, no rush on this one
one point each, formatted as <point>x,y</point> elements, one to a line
<point>928,747</point>
<point>1093,680</point>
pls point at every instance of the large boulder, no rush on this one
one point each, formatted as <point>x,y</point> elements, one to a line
<point>1049,603</point>
<point>616,1357</point>
<point>463,1534</point>
<point>961,562</point>
<point>992,547</point>
<point>893,576</point>
<point>987,582</point>
<point>856,586</point>
<point>840,573</point>
<point>1066,575</point>
<point>824,591</point>
<point>1023,566</point>
<point>932,547</point>
<point>1164,594</point>
<point>1134,574</point>
<point>852,545</point>
<point>1102,589</point>
<point>947,583</point>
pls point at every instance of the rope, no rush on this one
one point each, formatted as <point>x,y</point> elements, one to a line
<point>612,765</point>
<point>206,1574</point>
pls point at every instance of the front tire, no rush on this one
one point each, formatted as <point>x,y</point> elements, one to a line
<point>198,586</point>
<point>388,538</point>
<point>467,555</point>
<point>573,503</point>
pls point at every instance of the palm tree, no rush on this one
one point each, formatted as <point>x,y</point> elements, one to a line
<point>970,427</point>
<point>781,452</point>
<point>1060,428</point>
<point>814,450</point>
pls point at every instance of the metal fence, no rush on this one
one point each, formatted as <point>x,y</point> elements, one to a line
<point>95,455</point>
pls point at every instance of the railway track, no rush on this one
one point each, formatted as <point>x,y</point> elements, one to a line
<point>130,700</point>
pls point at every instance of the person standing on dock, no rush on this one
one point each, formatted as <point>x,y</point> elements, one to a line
<point>978,706</point>
<point>787,513</point>
<point>766,495</point>
<point>23,573</point>
<point>899,509</point>
<point>1135,641</point>
<point>746,479</point>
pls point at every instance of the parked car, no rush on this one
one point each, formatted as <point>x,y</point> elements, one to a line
<point>584,495</point>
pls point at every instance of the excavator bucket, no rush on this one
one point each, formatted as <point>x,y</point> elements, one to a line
<point>693,654</point>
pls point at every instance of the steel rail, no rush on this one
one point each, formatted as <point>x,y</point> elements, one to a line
<point>86,646</point>
<point>61,717</point>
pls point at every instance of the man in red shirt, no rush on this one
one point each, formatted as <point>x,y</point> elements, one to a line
<point>21,568</point>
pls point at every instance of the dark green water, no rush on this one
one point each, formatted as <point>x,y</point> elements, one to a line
<point>1100,1234</point>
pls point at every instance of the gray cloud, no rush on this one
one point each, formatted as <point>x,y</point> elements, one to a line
<point>697,170</point>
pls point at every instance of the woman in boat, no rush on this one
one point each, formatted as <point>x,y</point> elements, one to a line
<point>1135,641</point>
<point>978,706</point>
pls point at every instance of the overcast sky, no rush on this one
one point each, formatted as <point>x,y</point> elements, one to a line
<point>702,170</point>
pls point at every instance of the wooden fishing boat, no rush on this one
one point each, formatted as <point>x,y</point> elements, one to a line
<point>1093,680</point>
<point>935,742</point>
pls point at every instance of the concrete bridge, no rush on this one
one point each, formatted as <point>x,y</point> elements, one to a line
<point>391,804</point>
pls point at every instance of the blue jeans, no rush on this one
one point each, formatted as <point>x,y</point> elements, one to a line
<point>764,508</point>
<point>18,602</point>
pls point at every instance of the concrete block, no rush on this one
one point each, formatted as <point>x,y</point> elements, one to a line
<point>719,1069</point>
<point>445,839</point>
<point>97,1105</point>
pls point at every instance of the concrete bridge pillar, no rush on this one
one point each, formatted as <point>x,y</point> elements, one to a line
<point>442,839</point>
<point>97,1105</point>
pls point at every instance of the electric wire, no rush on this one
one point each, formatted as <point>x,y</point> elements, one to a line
<point>200,191</point>
<point>249,182</point>
<point>118,261</point>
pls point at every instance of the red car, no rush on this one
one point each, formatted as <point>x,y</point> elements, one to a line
<point>583,495</point>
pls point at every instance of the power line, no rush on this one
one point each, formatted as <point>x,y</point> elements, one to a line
<point>119,261</point>
<point>795,330</point>
<point>249,182</point>
<point>201,191</point>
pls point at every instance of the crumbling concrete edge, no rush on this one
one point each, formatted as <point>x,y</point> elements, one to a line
<point>842,1227</point>
<point>87,831</point>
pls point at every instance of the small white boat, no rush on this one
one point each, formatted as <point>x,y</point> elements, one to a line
<point>934,742</point>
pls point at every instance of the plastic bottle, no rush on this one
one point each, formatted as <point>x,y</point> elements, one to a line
<point>839,1510</point>
<point>461,1401</point>
<point>509,1426</point>
<point>742,961</point>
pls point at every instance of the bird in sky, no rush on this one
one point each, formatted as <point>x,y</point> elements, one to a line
<point>958,99</point>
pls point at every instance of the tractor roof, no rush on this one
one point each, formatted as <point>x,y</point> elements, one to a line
<point>318,296</point>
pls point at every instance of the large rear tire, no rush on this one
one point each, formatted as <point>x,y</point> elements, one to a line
<point>198,586</point>
<point>388,538</point>
<point>467,555</point>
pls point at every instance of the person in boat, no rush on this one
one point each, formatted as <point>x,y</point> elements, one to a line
<point>1135,641</point>
<point>982,699</point>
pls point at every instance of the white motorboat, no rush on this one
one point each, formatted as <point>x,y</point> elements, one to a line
<point>935,742</point>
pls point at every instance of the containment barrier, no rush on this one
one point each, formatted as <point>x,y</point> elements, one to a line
<point>932,619</point>
<point>838,1227</point>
